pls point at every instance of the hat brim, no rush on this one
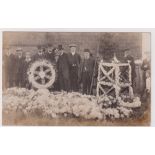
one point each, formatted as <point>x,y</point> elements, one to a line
<point>72,45</point>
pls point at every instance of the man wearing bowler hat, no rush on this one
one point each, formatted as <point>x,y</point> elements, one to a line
<point>50,53</point>
<point>40,54</point>
<point>63,70</point>
<point>87,68</point>
<point>74,65</point>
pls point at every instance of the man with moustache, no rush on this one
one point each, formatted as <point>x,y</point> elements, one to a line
<point>74,66</point>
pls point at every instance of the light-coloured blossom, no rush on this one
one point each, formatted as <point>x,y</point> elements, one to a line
<point>61,104</point>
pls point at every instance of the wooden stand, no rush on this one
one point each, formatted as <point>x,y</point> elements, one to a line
<point>111,79</point>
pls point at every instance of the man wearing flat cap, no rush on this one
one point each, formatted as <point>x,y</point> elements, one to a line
<point>74,66</point>
<point>86,71</point>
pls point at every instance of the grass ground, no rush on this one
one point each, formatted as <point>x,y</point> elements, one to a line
<point>18,119</point>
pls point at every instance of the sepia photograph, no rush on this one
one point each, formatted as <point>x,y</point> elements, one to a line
<point>76,78</point>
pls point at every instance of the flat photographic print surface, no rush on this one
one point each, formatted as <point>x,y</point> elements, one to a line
<point>76,78</point>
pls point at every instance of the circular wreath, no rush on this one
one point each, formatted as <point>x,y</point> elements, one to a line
<point>42,74</point>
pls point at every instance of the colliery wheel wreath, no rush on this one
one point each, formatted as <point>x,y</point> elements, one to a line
<point>42,74</point>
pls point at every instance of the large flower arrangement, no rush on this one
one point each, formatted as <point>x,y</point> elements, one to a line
<point>62,104</point>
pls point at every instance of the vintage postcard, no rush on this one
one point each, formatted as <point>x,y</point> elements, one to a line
<point>76,78</point>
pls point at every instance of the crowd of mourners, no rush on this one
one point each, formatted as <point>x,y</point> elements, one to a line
<point>74,73</point>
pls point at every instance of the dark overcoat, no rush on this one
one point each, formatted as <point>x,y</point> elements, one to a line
<point>63,72</point>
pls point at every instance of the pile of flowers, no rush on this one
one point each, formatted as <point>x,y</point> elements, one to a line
<point>60,104</point>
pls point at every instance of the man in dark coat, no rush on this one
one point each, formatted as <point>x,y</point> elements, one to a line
<point>74,66</point>
<point>27,62</point>
<point>12,70</point>
<point>6,58</point>
<point>129,59</point>
<point>19,68</point>
<point>40,54</point>
<point>63,70</point>
<point>50,54</point>
<point>145,67</point>
<point>87,68</point>
<point>56,85</point>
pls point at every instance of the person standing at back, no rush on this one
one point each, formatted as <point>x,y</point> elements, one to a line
<point>87,68</point>
<point>74,66</point>
<point>27,62</point>
<point>19,68</point>
<point>50,54</point>
<point>40,55</point>
<point>63,70</point>
<point>128,58</point>
<point>6,63</point>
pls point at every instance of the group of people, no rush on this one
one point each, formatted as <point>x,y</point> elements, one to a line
<point>73,72</point>
<point>15,68</point>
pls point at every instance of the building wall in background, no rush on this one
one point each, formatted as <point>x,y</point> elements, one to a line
<point>30,40</point>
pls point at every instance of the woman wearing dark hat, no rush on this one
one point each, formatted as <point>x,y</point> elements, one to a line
<point>87,68</point>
